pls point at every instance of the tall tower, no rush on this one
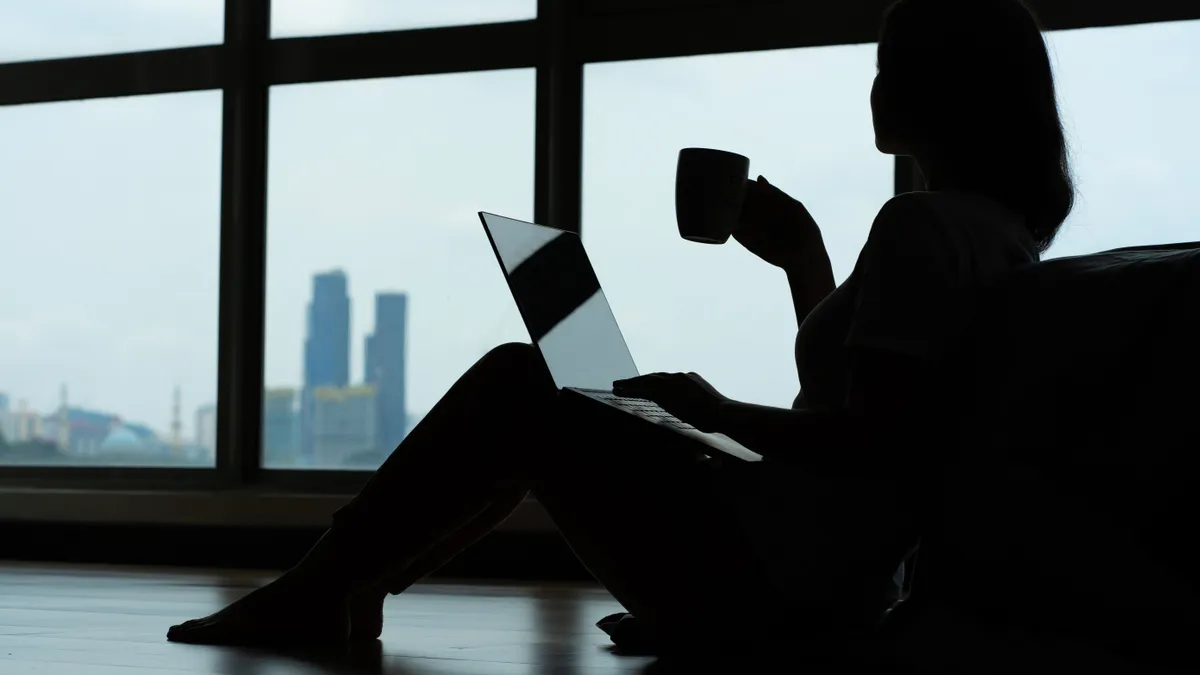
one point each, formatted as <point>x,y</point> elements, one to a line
<point>326,346</point>
<point>385,368</point>
<point>64,420</point>
<point>176,424</point>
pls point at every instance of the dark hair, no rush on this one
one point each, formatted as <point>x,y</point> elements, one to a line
<point>970,81</point>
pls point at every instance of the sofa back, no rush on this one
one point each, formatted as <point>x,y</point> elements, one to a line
<point>1089,369</point>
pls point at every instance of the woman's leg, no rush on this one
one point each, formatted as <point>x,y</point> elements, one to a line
<point>641,510</point>
<point>457,466</point>
<point>637,507</point>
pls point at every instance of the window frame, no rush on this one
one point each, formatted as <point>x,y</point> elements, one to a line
<point>566,35</point>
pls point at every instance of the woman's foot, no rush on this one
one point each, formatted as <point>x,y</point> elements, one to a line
<point>280,614</point>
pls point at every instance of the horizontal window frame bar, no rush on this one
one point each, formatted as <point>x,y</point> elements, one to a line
<point>167,71</point>
<point>429,51</point>
<point>1058,15</point>
<point>679,30</point>
<point>723,28</point>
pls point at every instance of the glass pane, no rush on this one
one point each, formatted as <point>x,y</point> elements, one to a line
<point>292,18</point>
<point>803,118</point>
<point>381,285</point>
<point>110,211</point>
<point>1130,100</point>
<point>48,29</point>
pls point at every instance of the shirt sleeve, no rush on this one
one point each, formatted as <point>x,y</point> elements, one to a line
<point>911,279</point>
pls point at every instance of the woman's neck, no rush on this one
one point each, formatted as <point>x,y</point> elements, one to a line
<point>936,175</point>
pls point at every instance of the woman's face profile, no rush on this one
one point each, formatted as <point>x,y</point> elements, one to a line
<point>883,116</point>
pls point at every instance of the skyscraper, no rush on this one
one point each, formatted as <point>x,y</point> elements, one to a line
<point>326,347</point>
<point>385,368</point>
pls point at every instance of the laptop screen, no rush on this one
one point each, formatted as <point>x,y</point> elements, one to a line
<point>560,299</point>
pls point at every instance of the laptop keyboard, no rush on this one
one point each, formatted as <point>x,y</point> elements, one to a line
<point>642,408</point>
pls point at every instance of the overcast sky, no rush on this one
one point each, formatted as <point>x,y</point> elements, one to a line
<point>109,209</point>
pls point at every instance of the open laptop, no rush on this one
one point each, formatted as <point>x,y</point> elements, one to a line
<point>572,325</point>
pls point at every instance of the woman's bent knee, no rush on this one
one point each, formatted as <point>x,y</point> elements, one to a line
<point>517,367</point>
<point>515,353</point>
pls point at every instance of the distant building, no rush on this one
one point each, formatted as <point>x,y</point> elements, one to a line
<point>26,424</point>
<point>326,347</point>
<point>138,445</point>
<point>343,424</point>
<point>206,428</point>
<point>85,430</point>
<point>385,368</point>
<point>281,427</point>
<point>126,438</point>
<point>8,421</point>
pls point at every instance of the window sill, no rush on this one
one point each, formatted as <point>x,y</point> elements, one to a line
<point>224,508</point>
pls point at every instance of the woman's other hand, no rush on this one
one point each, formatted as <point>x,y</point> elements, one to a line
<point>687,396</point>
<point>777,228</point>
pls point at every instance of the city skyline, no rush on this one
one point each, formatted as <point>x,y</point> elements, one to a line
<point>337,421</point>
<point>288,430</point>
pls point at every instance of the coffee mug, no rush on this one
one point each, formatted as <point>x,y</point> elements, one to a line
<point>710,187</point>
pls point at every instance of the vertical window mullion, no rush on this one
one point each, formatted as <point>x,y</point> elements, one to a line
<point>558,181</point>
<point>243,240</point>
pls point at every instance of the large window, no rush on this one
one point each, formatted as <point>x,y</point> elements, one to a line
<point>47,29</point>
<point>381,286</point>
<point>1130,100</point>
<point>804,119</point>
<point>109,263</point>
<point>187,224</point>
<point>323,17</point>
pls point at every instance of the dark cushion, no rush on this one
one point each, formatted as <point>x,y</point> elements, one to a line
<point>1083,339</point>
<point>1089,368</point>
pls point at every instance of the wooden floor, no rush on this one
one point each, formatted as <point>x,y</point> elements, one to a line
<point>92,621</point>
<point>76,620</point>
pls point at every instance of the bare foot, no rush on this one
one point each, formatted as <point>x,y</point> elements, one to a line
<point>279,614</point>
<point>366,614</point>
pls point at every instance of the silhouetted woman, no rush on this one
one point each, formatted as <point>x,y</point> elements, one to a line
<point>704,551</point>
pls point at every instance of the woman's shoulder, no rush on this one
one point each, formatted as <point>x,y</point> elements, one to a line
<point>906,205</point>
<point>947,219</point>
<point>909,221</point>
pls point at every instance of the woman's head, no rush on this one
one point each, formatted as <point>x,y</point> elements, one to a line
<point>966,87</point>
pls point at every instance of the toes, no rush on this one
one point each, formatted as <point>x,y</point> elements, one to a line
<point>189,630</point>
<point>188,625</point>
